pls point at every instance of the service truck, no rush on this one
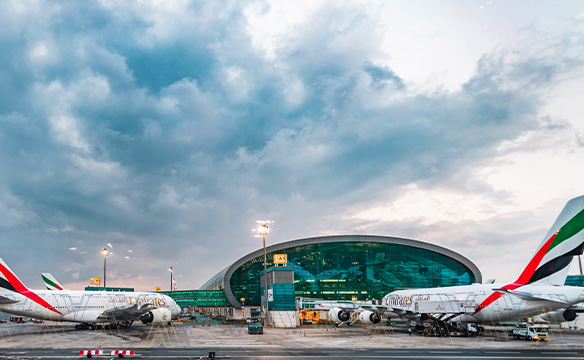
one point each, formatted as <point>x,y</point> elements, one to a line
<point>538,332</point>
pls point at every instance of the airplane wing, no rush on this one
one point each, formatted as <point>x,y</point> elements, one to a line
<point>4,300</point>
<point>125,313</point>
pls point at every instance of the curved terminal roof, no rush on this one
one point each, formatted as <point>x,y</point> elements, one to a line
<point>222,280</point>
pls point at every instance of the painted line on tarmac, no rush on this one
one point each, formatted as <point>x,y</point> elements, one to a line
<point>529,357</point>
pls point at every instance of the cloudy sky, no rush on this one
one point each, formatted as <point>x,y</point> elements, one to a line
<point>167,128</point>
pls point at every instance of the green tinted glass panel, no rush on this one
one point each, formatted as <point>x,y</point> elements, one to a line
<point>575,280</point>
<point>198,298</point>
<point>354,270</point>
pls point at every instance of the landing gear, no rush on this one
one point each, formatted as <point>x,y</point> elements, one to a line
<point>113,326</point>
<point>85,326</point>
<point>123,324</point>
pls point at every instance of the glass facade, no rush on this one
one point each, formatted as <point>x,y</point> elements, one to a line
<point>575,280</point>
<point>354,271</point>
<point>198,298</point>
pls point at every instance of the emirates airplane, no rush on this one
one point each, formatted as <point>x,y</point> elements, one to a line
<point>539,289</point>
<point>87,308</point>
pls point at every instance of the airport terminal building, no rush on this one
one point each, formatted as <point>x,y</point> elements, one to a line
<point>347,267</point>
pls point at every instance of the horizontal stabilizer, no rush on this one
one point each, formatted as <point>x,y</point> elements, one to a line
<point>530,297</point>
<point>4,300</point>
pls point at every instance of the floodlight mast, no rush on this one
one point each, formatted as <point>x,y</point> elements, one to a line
<point>263,230</point>
<point>105,253</point>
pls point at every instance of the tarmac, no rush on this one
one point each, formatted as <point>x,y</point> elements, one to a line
<point>234,335</point>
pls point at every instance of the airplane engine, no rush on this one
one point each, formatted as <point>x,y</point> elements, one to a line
<point>160,316</point>
<point>339,315</point>
<point>559,316</point>
<point>369,317</point>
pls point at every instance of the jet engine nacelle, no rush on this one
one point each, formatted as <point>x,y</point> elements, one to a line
<point>339,315</point>
<point>559,316</point>
<point>369,317</point>
<point>160,316</point>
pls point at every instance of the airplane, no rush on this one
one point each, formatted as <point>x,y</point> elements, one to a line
<point>87,308</point>
<point>51,283</point>
<point>539,289</point>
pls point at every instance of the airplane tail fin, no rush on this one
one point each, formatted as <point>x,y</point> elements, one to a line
<point>565,239</point>
<point>50,282</point>
<point>8,280</point>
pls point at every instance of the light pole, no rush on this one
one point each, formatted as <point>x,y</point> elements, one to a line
<point>105,254</point>
<point>263,230</point>
<point>170,278</point>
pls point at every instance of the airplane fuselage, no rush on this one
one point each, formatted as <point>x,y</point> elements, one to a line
<point>80,306</point>
<point>482,303</point>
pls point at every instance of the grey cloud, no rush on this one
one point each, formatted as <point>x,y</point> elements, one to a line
<point>130,133</point>
<point>382,75</point>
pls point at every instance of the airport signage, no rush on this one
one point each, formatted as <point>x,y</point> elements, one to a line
<point>280,259</point>
<point>95,281</point>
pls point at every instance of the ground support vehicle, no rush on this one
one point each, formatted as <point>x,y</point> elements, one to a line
<point>255,327</point>
<point>309,317</point>
<point>441,328</point>
<point>538,332</point>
